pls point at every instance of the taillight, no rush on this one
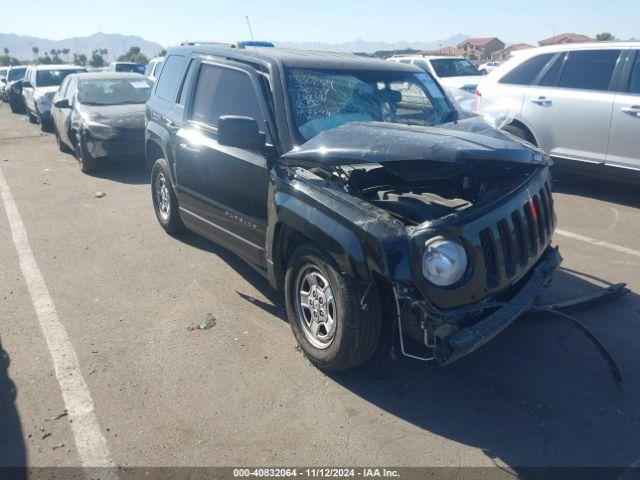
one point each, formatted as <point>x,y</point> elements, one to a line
<point>478,93</point>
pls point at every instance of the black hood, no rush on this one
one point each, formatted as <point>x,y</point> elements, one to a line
<point>129,116</point>
<point>460,143</point>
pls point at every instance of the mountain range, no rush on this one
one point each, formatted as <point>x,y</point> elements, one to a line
<point>367,46</point>
<point>20,46</point>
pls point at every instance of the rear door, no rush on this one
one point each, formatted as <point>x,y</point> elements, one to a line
<point>58,114</point>
<point>570,107</point>
<point>624,140</point>
<point>505,96</point>
<point>222,189</point>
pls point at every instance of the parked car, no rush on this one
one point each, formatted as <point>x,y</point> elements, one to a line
<point>100,117</point>
<point>488,67</point>
<point>40,84</point>
<point>455,73</point>
<point>580,103</point>
<point>3,82</point>
<point>153,68</point>
<point>13,88</point>
<point>357,188</point>
<point>127,67</point>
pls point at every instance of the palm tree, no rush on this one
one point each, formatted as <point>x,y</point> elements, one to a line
<point>6,51</point>
<point>35,51</point>
<point>66,51</point>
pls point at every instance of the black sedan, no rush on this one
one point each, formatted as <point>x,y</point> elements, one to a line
<point>100,117</point>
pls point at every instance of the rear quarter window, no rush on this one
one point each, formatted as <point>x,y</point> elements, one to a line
<point>527,71</point>
<point>167,86</point>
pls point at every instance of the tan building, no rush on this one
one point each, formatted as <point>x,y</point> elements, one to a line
<point>505,54</point>
<point>565,38</point>
<point>444,52</point>
<point>480,49</point>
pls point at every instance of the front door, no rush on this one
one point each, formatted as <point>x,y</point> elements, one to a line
<point>624,141</point>
<point>224,189</point>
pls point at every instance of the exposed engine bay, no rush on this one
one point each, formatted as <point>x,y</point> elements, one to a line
<point>403,190</point>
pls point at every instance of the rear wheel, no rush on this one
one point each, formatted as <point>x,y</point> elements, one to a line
<point>165,202</point>
<point>32,117</point>
<point>61,146</point>
<point>14,106</point>
<point>323,307</point>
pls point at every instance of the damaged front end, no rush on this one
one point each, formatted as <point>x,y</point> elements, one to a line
<point>476,214</point>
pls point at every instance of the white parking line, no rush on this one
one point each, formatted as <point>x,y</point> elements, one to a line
<point>90,443</point>
<point>598,243</point>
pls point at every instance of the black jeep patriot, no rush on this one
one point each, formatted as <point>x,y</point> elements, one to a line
<point>356,187</point>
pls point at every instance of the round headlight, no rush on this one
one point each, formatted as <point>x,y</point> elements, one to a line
<point>443,261</point>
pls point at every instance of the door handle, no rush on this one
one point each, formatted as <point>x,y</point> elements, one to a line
<point>633,111</point>
<point>186,147</point>
<point>544,101</point>
<point>171,125</point>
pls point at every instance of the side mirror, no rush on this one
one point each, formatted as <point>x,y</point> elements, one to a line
<point>3,80</point>
<point>62,103</point>
<point>241,132</point>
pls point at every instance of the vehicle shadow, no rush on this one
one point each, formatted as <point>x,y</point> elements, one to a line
<point>538,395</point>
<point>597,188</point>
<point>275,304</point>
<point>12,447</point>
<point>131,172</point>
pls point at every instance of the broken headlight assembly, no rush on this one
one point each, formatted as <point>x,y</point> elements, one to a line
<point>444,261</point>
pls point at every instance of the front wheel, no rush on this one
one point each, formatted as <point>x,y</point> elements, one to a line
<point>323,307</point>
<point>87,163</point>
<point>165,202</point>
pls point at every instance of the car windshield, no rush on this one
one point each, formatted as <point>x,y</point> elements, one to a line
<point>324,99</point>
<point>114,91</point>
<point>53,78</point>
<point>453,67</point>
<point>129,68</point>
<point>16,74</point>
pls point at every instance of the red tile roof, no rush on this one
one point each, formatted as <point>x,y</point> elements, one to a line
<point>565,38</point>
<point>478,42</point>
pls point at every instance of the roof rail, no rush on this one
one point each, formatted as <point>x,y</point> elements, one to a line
<point>190,43</point>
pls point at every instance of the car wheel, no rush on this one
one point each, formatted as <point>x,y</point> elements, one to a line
<point>87,163</point>
<point>324,311</point>
<point>15,108</point>
<point>61,146</point>
<point>165,202</point>
<point>43,124</point>
<point>32,117</point>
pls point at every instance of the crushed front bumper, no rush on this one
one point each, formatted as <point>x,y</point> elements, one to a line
<point>464,341</point>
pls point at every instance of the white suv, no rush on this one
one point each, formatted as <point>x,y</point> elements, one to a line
<point>454,73</point>
<point>40,84</point>
<point>580,103</point>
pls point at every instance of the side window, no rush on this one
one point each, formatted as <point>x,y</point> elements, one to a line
<point>589,69</point>
<point>223,91</point>
<point>62,91</point>
<point>71,90</point>
<point>422,64</point>
<point>634,80</point>
<point>186,81</point>
<point>527,71</point>
<point>169,77</point>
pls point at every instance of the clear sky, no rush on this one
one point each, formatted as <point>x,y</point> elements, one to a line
<point>332,21</point>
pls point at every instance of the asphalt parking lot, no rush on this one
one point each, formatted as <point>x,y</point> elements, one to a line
<point>240,393</point>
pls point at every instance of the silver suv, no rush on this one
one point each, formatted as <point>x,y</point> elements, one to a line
<point>580,103</point>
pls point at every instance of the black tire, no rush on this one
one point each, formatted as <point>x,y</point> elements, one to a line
<point>520,132</point>
<point>165,205</point>
<point>15,108</point>
<point>61,145</point>
<point>32,117</point>
<point>44,125</point>
<point>87,163</point>
<point>356,332</point>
